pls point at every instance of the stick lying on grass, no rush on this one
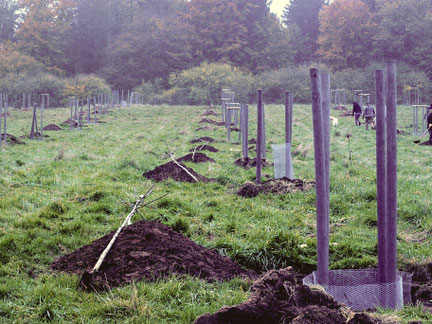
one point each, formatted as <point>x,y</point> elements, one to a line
<point>87,278</point>
<point>178,164</point>
<point>126,222</point>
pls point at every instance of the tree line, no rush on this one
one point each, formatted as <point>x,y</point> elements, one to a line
<point>133,42</point>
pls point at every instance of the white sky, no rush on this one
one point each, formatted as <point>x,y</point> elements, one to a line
<point>277,6</point>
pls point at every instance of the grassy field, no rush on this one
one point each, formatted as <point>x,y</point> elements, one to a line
<point>71,189</point>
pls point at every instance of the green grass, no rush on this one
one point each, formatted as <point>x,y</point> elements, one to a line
<point>69,190</point>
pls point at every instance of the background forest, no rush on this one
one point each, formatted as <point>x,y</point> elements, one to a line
<point>184,52</point>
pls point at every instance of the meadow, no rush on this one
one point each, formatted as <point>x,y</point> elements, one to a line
<point>75,186</point>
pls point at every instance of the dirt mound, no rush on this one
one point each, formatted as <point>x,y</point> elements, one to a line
<point>346,114</point>
<point>426,143</point>
<point>421,286</point>
<point>68,122</point>
<point>202,139</point>
<point>209,113</point>
<point>52,127</point>
<point>340,108</point>
<point>7,114</point>
<point>277,297</point>
<point>148,250</point>
<point>205,147</point>
<point>248,163</point>
<point>10,139</point>
<point>171,170</point>
<point>274,186</point>
<point>213,122</point>
<point>252,141</point>
<point>206,128</point>
<point>195,158</point>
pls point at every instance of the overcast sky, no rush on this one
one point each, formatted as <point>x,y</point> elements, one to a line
<point>277,6</point>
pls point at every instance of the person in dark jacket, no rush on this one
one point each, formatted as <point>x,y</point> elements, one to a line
<point>357,111</point>
<point>369,115</point>
<point>429,122</point>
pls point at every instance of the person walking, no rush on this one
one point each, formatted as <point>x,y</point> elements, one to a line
<point>369,115</point>
<point>429,123</point>
<point>357,111</point>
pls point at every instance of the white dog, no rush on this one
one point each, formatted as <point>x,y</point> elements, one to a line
<point>334,121</point>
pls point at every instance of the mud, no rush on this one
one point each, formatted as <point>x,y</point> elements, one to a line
<point>202,139</point>
<point>421,286</point>
<point>209,113</point>
<point>204,147</point>
<point>148,250</point>
<point>11,139</point>
<point>248,163</point>
<point>52,127</point>
<point>426,143</point>
<point>278,297</point>
<point>206,128</point>
<point>171,170</point>
<point>274,186</point>
<point>340,108</point>
<point>195,158</point>
<point>68,122</point>
<point>211,121</point>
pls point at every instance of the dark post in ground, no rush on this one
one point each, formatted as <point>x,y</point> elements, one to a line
<point>259,136</point>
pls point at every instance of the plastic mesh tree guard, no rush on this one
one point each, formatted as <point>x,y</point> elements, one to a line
<point>360,289</point>
<point>282,161</point>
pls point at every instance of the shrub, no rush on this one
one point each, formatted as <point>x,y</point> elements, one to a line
<point>83,86</point>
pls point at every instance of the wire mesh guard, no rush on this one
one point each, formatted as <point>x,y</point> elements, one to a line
<point>282,161</point>
<point>360,290</point>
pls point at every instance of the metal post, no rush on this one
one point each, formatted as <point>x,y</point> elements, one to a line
<point>391,171</point>
<point>259,137</point>
<point>381,175</point>
<point>81,114</point>
<point>24,101</point>
<point>71,105</point>
<point>229,124</point>
<point>42,110</point>
<point>320,170</point>
<point>1,110</point>
<point>88,110</point>
<point>288,131</point>
<point>29,101</point>
<point>263,134</point>
<point>325,102</point>
<point>95,109</point>
<point>245,130</point>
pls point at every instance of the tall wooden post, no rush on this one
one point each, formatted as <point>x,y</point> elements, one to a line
<point>391,171</point>
<point>320,171</point>
<point>42,111</point>
<point>381,175</point>
<point>259,137</point>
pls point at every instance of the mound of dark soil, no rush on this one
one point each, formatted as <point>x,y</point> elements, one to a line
<point>206,128</point>
<point>205,147</point>
<point>346,114</point>
<point>68,122</point>
<point>277,297</point>
<point>248,163</point>
<point>340,108</point>
<point>10,139</point>
<point>7,114</point>
<point>274,186</point>
<point>211,121</point>
<point>202,139</point>
<point>52,127</point>
<point>148,250</point>
<point>171,170</point>
<point>426,143</point>
<point>209,113</point>
<point>421,286</point>
<point>252,141</point>
<point>195,158</point>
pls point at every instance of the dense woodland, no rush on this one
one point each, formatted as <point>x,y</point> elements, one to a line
<point>174,51</point>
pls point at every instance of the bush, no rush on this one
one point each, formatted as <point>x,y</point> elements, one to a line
<point>83,86</point>
<point>202,85</point>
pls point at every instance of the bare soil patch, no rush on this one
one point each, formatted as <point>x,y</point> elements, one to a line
<point>202,139</point>
<point>11,139</point>
<point>211,121</point>
<point>52,127</point>
<point>278,297</point>
<point>68,122</point>
<point>205,128</point>
<point>248,163</point>
<point>204,147</point>
<point>195,158</point>
<point>171,170</point>
<point>426,143</point>
<point>148,250</point>
<point>274,186</point>
<point>209,113</point>
<point>340,108</point>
